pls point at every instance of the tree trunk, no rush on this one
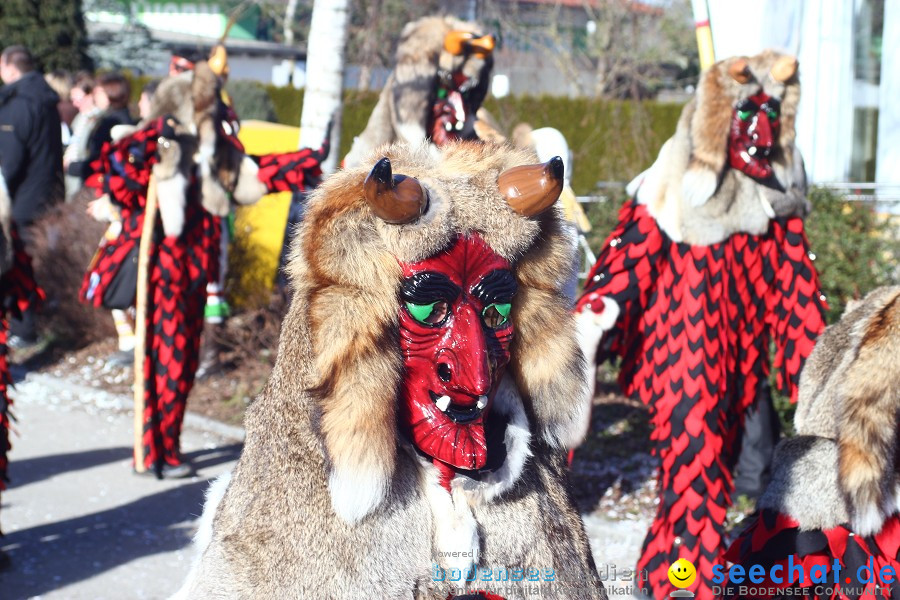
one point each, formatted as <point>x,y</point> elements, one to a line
<point>324,77</point>
<point>289,13</point>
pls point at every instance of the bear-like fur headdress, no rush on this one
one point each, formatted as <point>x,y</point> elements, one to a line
<point>691,190</point>
<point>341,335</point>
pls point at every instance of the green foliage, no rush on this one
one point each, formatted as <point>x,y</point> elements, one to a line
<point>251,100</point>
<point>357,108</point>
<point>287,103</point>
<point>52,30</point>
<point>856,249</point>
<point>610,140</point>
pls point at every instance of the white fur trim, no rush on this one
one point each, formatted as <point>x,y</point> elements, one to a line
<point>632,188</point>
<point>589,330</point>
<point>508,402</point>
<point>455,528</point>
<point>171,195</point>
<point>867,520</point>
<point>120,131</point>
<point>410,133</point>
<point>249,188</point>
<point>356,493</point>
<point>698,185</point>
<point>214,494</point>
<point>766,205</point>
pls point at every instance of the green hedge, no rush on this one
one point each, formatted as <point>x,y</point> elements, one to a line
<point>610,140</point>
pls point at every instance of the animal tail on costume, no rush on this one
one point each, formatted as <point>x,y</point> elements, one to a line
<point>867,432</point>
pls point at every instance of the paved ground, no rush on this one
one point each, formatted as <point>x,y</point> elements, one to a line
<point>80,525</point>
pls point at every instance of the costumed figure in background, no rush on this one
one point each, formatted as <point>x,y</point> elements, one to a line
<point>441,78</point>
<point>18,291</point>
<point>427,385</point>
<point>832,501</point>
<point>708,266</point>
<point>188,145</point>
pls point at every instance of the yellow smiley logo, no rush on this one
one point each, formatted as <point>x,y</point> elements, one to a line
<point>682,573</point>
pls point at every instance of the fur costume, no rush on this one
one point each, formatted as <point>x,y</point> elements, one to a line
<point>707,267</point>
<point>188,145</point>
<point>338,493</point>
<point>833,496</point>
<point>18,291</point>
<point>441,78</point>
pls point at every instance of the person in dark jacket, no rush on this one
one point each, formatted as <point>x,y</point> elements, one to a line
<point>111,95</point>
<point>30,155</point>
<point>30,144</point>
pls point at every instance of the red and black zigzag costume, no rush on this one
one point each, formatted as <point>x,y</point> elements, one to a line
<point>18,291</point>
<point>774,538</point>
<point>693,335</point>
<point>180,268</point>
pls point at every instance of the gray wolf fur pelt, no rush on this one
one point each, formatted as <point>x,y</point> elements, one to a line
<point>327,499</point>
<point>842,467</point>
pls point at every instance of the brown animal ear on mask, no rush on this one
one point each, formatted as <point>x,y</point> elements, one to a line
<point>740,71</point>
<point>784,68</point>
<point>531,189</point>
<point>394,199</point>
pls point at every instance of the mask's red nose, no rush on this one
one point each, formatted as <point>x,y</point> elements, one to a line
<point>465,371</point>
<point>762,134</point>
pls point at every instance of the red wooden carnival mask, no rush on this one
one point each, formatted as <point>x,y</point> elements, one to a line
<point>754,134</point>
<point>455,334</point>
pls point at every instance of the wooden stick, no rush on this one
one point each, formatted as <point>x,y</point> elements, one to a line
<point>140,321</point>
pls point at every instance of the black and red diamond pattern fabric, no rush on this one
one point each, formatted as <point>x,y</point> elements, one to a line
<point>180,268</point>
<point>18,292</point>
<point>291,171</point>
<point>693,335</point>
<point>775,540</point>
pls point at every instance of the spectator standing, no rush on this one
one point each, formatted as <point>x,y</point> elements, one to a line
<point>82,97</point>
<point>30,155</point>
<point>111,95</point>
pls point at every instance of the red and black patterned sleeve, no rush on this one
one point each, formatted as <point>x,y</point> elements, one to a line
<point>796,304</point>
<point>123,169</point>
<point>626,272</point>
<point>291,171</point>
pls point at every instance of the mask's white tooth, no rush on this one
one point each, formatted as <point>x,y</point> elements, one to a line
<point>443,402</point>
<point>482,402</point>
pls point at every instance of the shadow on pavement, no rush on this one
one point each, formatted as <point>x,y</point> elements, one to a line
<point>203,459</point>
<point>30,470</point>
<point>51,556</point>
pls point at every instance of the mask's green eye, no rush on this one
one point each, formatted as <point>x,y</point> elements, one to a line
<point>743,115</point>
<point>772,114</point>
<point>496,315</point>
<point>429,314</point>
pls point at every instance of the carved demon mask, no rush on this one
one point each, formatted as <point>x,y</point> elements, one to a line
<point>464,71</point>
<point>754,133</point>
<point>455,333</point>
<point>755,121</point>
<point>454,316</point>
